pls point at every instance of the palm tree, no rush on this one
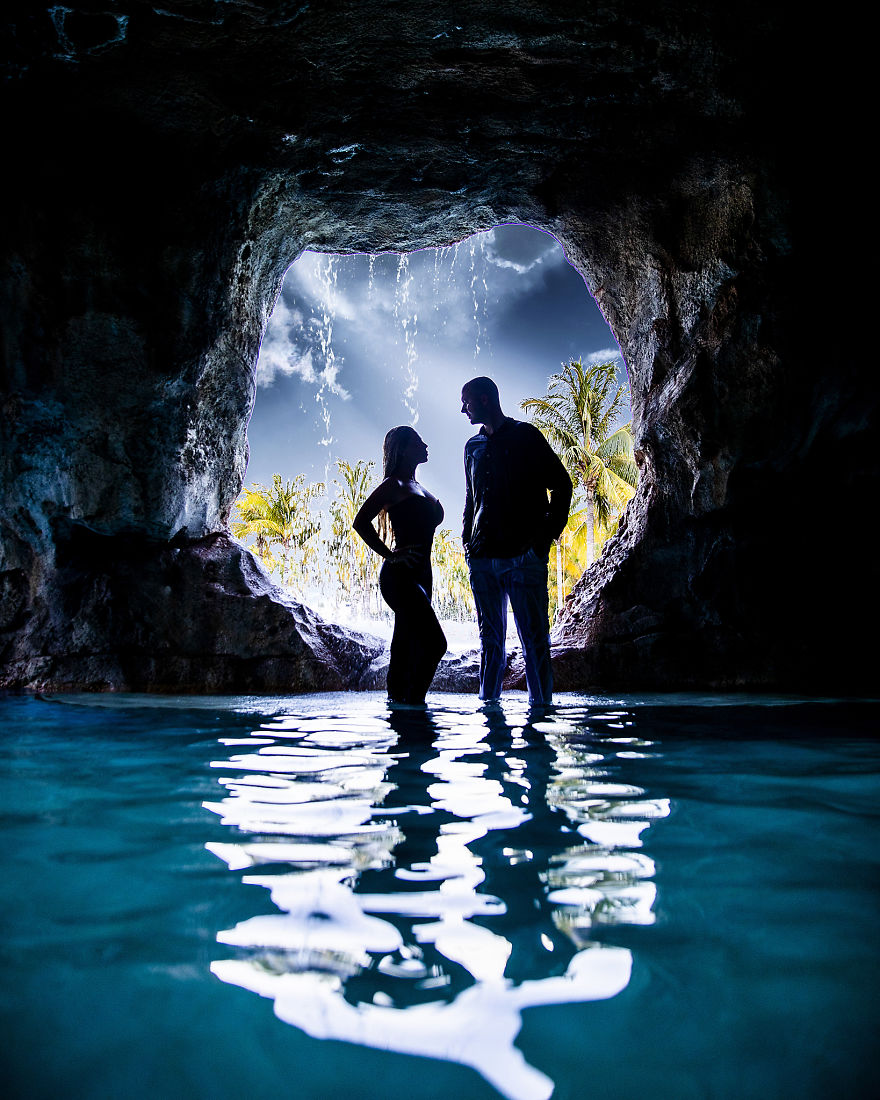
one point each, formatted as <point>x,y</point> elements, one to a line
<point>252,510</point>
<point>572,550</point>
<point>352,489</point>
<point>453,596</point>
<point>578,416</point>
<point>278,516</point>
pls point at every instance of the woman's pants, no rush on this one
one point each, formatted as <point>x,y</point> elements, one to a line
<point>522,580</point>
<point>418,642</point>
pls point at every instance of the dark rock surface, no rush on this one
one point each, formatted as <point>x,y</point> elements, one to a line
<point>171,162</point>
<point>123,612</point>
<point>457,672</point>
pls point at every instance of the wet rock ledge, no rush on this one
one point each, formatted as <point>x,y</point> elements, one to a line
<point>128,613</point>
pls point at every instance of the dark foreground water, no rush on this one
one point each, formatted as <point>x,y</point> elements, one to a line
<point>315,898</point>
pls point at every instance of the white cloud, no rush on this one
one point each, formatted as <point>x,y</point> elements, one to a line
<point>606,355</point>
<point>521,255</point>
<point>290,347</point>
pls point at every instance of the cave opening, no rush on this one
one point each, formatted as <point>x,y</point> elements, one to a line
<point>360,342</point>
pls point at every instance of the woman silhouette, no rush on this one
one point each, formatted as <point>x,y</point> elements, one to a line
<point>418,641</point>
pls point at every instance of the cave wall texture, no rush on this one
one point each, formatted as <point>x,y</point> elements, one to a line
<point>171,162</point>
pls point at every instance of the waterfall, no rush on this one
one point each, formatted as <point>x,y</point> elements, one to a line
<point>408,320</point>
<point>327,274</point>
<point>477,280</point>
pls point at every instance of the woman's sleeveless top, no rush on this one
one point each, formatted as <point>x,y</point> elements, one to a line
<point>414,520</point>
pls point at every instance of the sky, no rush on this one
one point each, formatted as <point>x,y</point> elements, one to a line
<point>359,344</point>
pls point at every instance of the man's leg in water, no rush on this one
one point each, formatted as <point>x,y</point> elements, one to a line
<point>526,583</point>
<point>491,603</point>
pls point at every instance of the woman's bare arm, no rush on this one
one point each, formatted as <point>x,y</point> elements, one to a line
<point>385,495</point>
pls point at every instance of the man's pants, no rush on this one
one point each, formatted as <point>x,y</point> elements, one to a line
<point>522,580</point>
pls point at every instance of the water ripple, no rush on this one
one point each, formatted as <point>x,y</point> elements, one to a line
<point>435,874</point>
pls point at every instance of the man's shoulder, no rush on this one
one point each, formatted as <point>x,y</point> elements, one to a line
<point>524,432</point>
<point>523,426</point>
<point>518,432</point>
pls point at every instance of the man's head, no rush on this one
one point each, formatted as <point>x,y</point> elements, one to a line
<point>480,401</point>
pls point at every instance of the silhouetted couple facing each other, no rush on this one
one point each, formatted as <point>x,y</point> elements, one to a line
<point>508,527</point>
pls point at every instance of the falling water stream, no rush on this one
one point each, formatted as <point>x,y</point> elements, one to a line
<point>395,274</point>
<point>322,322</point>
<point>408,320</point>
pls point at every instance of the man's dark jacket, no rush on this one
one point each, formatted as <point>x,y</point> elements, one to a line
<point>506,510</point>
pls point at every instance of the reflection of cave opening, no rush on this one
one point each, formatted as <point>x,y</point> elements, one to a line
<point>359,343</point>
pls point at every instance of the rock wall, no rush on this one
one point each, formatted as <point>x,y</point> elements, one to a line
<point>171,162</point>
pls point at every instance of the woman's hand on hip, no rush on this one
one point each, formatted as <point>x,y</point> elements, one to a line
<point>406,555</point>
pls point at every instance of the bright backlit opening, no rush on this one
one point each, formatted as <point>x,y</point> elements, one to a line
<point>360,343</point>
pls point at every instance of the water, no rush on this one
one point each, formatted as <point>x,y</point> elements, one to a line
<point>314,896</point>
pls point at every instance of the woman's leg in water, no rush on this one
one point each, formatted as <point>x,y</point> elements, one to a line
<point>434,640</point>
<point>418,642</point>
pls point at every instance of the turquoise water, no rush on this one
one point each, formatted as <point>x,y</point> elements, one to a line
<point>314,897</point>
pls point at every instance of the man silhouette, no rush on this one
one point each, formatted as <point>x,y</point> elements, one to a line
<point>509,524</point>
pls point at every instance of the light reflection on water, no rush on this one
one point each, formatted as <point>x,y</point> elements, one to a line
<point>758,977</point>
<point>435,873</point>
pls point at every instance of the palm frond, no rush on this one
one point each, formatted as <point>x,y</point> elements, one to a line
<point>578,416</point>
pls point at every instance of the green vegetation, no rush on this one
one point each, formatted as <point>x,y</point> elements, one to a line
<point>578,416</point>
<point>306,541</point>
<point>452,597</point>
<point>279,519</point>
<point>354,565</point>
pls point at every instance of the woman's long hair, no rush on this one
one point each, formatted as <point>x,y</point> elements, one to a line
<point>396,442</point>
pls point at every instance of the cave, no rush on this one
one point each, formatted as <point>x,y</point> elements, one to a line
<point>170,164</point>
